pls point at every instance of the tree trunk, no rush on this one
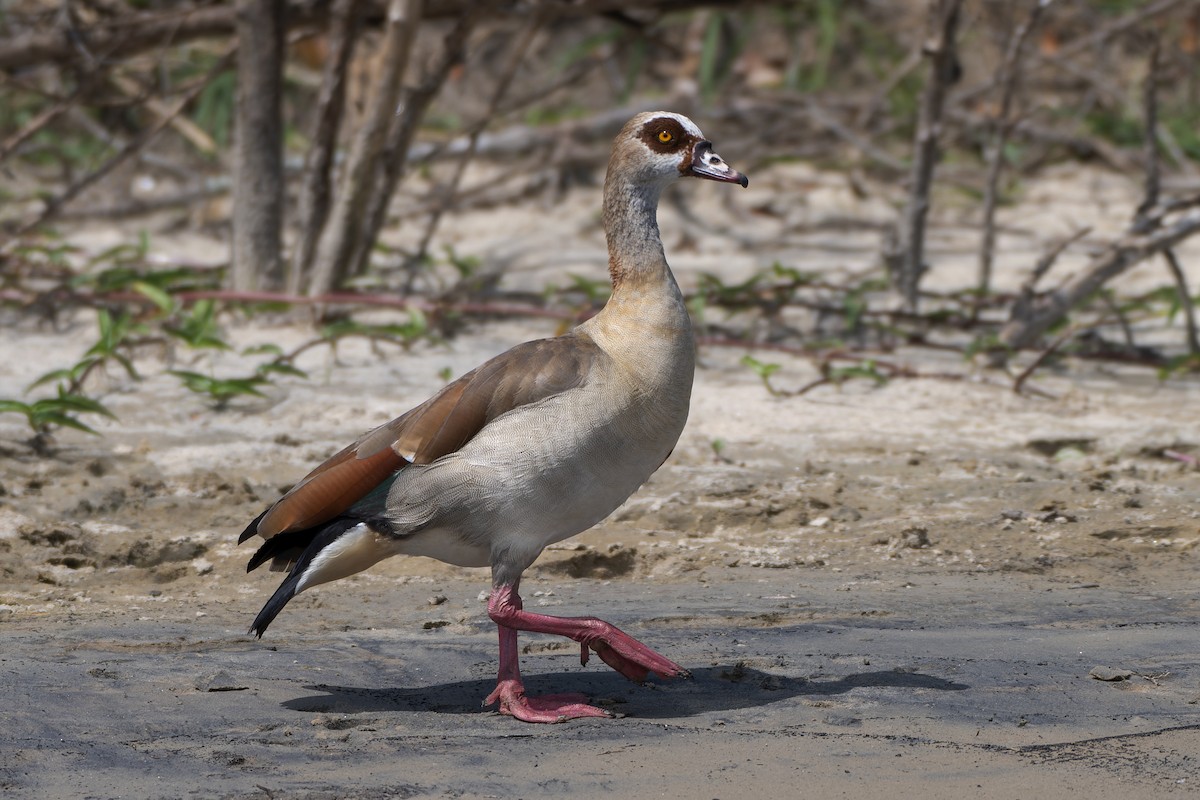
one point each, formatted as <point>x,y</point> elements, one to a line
<point>258,190</point>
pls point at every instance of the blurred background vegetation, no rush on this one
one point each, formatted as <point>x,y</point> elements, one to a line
<point>288,127</point>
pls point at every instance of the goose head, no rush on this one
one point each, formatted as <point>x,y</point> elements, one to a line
<point>657,147</point>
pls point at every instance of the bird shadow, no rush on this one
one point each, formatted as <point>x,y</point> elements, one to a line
<point>711,689</point>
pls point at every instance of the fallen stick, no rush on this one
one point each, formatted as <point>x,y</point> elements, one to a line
<point>1134,247</point>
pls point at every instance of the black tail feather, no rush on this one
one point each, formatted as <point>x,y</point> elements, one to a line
<point>252,528</point>
<point>285,592</point>
<point>289,547</point>
<point>306,544</point>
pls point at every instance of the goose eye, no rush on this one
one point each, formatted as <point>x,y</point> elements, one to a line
<point>666,137</point>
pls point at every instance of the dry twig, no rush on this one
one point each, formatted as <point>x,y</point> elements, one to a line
<point>905,253</point>
<point>1153,190</point>
<point>137,32</point>
<point>1143,239</point>
<point>314,194</point>
<point>1011,70</point>
<point>54,205</point>
<point>519,45</point>
<point>43,118</point>
<point>397,154</point>
<point>343,227</point>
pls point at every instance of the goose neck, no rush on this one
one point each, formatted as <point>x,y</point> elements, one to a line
<point>635,250</point>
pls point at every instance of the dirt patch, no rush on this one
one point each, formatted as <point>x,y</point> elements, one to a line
<point>879,582</point>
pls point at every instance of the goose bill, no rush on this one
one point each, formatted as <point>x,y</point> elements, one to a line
<point>707,164</point>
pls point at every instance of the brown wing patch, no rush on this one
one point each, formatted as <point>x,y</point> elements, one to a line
<point>329,490</point>
<point>525,374</point>
<point>444,423</point>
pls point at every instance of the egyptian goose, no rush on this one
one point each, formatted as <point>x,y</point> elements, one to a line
<point>538,444</point>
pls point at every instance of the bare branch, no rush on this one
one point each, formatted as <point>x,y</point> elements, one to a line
<point>517,52</point>
<point>134,146</point>
<point>42,119</point>
<point>1132,248</point>
<point>343,228</point>
<point>1152,192</point>
<point>1150,131</point>
<point>823,118</point>
<point>318,165</point>
<point>880,95</point>
<point>1011,70</point>
<point>1023,304</point>
<point>905,254</point>
<point>1019,382</point>
<point>1185,301</point>
<point>1118,26</point>
<point>189,130</point>
<point>134,33</point>
<point>397,153</point>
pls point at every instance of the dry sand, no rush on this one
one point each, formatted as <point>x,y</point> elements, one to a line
<point>915,588</point>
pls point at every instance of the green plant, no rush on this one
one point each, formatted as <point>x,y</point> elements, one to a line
<point>813,75</point>
<point>594,291</point>
<point>866,369</point>
<point>221,390</point>
<point>717,446</point>
<point>69,402</point>
<point>198,329</point>
<point>1179,365</point>
<point>408,332</point>
<point>763,370</point>
<point>215,104</point>
<point>62,410</point>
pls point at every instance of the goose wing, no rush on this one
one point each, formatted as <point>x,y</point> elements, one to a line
<point>442,424</point>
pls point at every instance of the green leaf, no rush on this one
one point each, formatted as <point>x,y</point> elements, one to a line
<point>282,368</point>
<point>709,51</point>
<point>595,291</point>
<point>220,389</point>
<point>80,403</point>
<point>865,369</point>
<point>199,329</point>
<point>15,407</point>
<point>796,276</point>
<point>127,364</point>
<point>154,294</point>
<point>587,47</point>
<point>53,375</point>
<point>466,265</point>
<point>258,349</point>
<point>118,254</point>
<point>113,332</point>
<point>762,369</point>
<point>416,327</point>
<point>63,420</point>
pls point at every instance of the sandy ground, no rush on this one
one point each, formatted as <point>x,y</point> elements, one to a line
<point>931,587</point>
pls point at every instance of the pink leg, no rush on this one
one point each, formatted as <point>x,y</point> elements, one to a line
<point>510,692</point>
<point>617,649</point>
